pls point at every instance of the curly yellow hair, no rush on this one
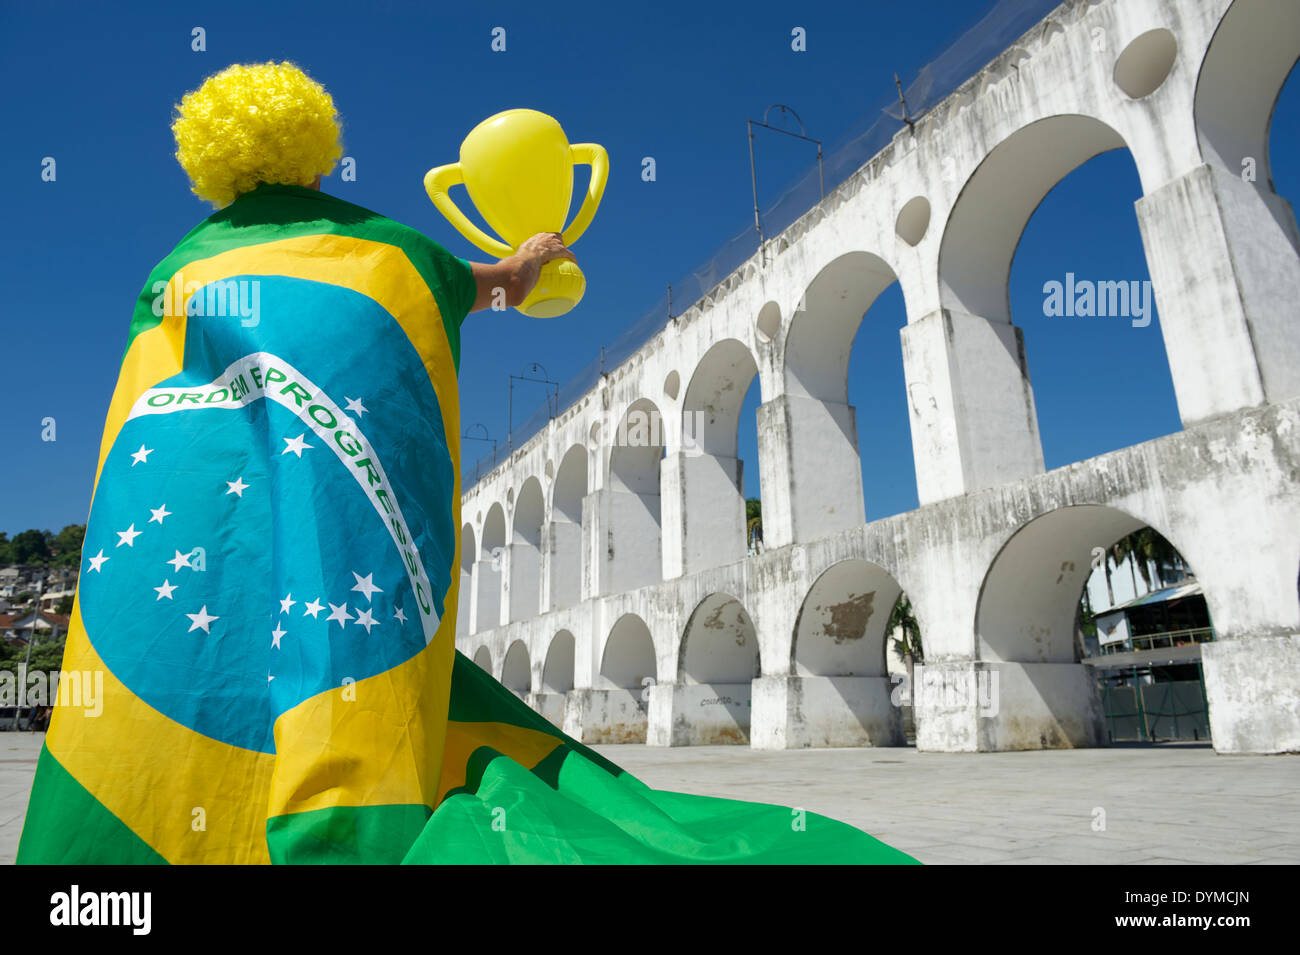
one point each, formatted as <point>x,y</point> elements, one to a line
<point>252,124</point>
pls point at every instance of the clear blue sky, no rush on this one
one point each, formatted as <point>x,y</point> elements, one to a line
<point>93,87</point>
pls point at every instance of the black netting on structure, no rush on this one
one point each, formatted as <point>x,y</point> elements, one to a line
<point>974,47</point>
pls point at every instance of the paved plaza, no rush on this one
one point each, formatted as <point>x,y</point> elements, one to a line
<point>1167,804</point>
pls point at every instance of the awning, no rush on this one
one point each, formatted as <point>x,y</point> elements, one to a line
<point>1177,592</point>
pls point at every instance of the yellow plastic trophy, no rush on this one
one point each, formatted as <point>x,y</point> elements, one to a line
<point>517,167</point>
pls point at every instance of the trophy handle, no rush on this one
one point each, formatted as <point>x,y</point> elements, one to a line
<point>436,183</point>
<point>595,156</point>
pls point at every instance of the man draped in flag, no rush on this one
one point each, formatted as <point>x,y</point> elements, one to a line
<point>267,584</point>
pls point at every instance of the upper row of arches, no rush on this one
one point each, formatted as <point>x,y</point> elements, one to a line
<point>806,354</point>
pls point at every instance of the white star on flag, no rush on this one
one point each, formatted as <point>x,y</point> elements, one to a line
<point>296,445</point>
<point>340,614</point>
<point>286,603</point>
<point>165,590</point>
<point>366,585</point>
<point>202,619</point>
<point>313,608</point>
<point>98,560</point>
<point>354,404</point>
<point>276,634</point>
<point>158,513</point>
<point>366,620</point>
<point>128,536</point>
<point>141,455</point>
<point>237,486</point>
<point>399,615</point>
<point>179,561</point>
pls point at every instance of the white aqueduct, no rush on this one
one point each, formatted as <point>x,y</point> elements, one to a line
<point>605,576</point>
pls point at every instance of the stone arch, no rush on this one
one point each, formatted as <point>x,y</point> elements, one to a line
<point>711,700</point>
<point>1029,599</point>
<point>488,569</point>
<point>516,671</point>
<point>835,690</point>
<point>841,627</point>
<point>557,671</point>
<point>716,390</point>
<point>567,552</point>
<point>526,551</point>
<point>634,557</point>
<point>820,459</point>
<point>719,643</point>
<point>468,554</point>
<point>628,670</point>
<point>1254,50</point>
<point>996,203</point>
<point>711,472</point>
<point>1230,246</point>
<point>629,655</point>
<point>1026,621</point>
<point>483,659</point>
<point>822,330</point>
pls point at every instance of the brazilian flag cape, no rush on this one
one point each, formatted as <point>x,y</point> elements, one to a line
<point>263,630</point>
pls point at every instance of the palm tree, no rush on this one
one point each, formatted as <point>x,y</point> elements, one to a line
<point>753,521</point>
<point>1110,590</point>
<point>1157,555</point>
<point>908,644</point>
<point>1121,551</point>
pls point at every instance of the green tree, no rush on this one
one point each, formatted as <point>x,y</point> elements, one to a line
<point>6,549</point>
<point>64,606</point>
<point>753,520</point>
<point>901,618</point>
<point>1153,551</point>
<point>908,643</point>
<point>46,656</point>
<point>67,545</point>
<point>31,547</point>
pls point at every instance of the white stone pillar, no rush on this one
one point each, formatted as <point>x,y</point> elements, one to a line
<point>970,404</point>
<point>704,512</point>
<point>562,551</point>
<point>809,470</point>
<point>1223,262</point>
<point>525,570</point>
<point>464,602</point>
<point>625,535</point>
<point>487,592</point>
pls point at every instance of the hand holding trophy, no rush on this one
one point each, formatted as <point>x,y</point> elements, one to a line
<point>517,167</point>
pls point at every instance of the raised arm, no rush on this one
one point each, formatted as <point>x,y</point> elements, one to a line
<point>517,274</point>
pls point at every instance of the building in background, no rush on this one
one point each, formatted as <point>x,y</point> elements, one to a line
<point>1147,650</point>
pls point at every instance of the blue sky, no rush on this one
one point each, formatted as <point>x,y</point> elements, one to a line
<point>93,86</point>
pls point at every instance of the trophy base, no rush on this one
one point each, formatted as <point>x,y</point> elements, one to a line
<point>560,286</point>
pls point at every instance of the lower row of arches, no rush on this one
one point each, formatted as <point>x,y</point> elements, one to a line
<point>855,627</point>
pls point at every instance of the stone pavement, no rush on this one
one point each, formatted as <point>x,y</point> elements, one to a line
<point>1176,803</point>
<point>18,752</point>
<point>1167,804</point>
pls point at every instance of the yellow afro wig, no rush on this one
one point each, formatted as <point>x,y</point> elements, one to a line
<point>261,123</point>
